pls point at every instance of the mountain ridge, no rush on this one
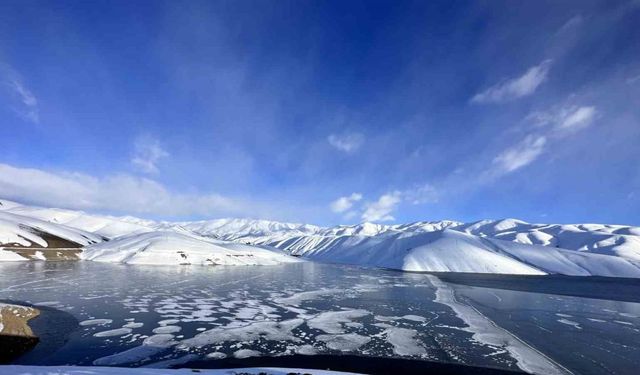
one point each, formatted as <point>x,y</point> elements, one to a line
<point>487,246</point>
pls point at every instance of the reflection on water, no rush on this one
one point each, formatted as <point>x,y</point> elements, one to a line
<point>163,316</point>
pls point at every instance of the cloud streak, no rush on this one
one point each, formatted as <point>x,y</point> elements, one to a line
<point>520,155</point>
<point>515,88</point>
<point>551,125</point>
<point>22,100</point>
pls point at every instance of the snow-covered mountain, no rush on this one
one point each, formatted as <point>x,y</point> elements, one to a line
<point>167,247</point>
<point>619,240</point>
<point>507,246</point>
<point>106,226</point>
<point>47,233</point>
<point>25,231</point>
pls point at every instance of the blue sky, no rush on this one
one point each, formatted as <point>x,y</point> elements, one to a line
<point>324,112</point>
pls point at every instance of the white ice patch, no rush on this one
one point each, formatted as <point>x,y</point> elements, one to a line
<point>133,325</point>
<point>113,332</point>
<point>167,322</point>
<point>404,341</point>
<point>568,322</point>
<point>487,332</point>
<point>167,329</point>
<point>276,331</point>
<point>247,313</point>
<point>306,350</point>
<point>415,318</point>
<point>345,343</point>
<point>331,321</point>
<point>216,355</point>
<point>623,322</point>
<point>246,353</point>
<point>150,346</point>
<point>297,298</point>
<point>96,322</point>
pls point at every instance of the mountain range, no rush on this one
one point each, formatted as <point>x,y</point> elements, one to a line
<point>507,246</point>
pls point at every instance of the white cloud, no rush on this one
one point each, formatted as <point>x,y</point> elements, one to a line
<point>577,119</point>
<point>516,87</point>
<point>565,120</point>
<point>24,102</point>
<point>550,126</point>
<point>381,209</point>
<point>524,153</point>
<point>343,204</point>
<point>116,193</point>
<point>347,142</point>
<point>147,152</point>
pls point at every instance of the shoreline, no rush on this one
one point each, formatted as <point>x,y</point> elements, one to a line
<point>16,336</point>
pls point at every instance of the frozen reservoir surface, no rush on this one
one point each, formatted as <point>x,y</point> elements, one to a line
<point>157,316</point>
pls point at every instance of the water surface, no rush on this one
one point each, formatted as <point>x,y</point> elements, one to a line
<point>123,315</point>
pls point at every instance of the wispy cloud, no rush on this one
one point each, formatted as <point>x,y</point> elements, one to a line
<point>346,142</point>
<point>571,23</point>
<point>22,100</point>
<point>577,119</point>
<point>523,153</point>
<point>116,193</point>
<point>515,88</point>
<point>549,126</point>
<point>147,153</point>
<point>565,119</point>
<point>343,204</point>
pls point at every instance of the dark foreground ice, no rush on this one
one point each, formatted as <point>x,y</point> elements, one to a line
<point>154,316</point>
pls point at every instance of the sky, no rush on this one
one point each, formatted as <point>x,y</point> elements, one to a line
<point>324,112</point>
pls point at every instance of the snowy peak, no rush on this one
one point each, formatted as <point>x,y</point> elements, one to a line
<point>233,229</point>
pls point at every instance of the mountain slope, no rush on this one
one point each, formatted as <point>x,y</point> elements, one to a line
<point>453,251</point>
<point>105,226</point>
<point>618,240</point>
<point>24,231</point>
<point>171,248</point>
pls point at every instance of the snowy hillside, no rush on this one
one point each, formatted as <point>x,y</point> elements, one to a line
<point>169,248</point>
<point>25,231</point>
<point>487,246</point>
<point>619,240</point>
<point>106,226</point>
<point>454,251</point>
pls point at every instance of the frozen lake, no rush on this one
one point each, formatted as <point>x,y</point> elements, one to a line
<point>165,316</point>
